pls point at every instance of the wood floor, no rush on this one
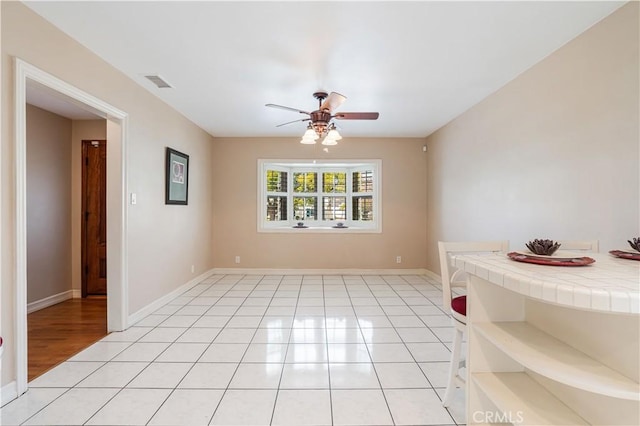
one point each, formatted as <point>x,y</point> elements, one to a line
<point>60,331</point>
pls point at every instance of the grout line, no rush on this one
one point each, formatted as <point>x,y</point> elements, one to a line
<point>326,340</point>
<point>170,344</point>
<point>412,356</point>
<point>196,361</point>
<point>275,401</point>
<point>227,387</point>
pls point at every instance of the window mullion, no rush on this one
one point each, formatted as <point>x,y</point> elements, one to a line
<point>349,215</point>
<point>290,194</point>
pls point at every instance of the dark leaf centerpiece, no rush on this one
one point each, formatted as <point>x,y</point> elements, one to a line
<point>542,255</point>
<point>629,254</point>
<point>543,247</point>
<point>635,243</point>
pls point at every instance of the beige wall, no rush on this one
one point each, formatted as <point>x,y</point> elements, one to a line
<point>553,154</point>
<point>235,188</point>
<point>80,130</point>
<point>48,204</point>
<point>162,241</point>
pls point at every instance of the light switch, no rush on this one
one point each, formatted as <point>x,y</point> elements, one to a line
<point>133,198</point>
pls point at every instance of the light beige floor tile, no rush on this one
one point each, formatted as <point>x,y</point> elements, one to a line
<point>74,407</point>
<point>404,375</point>
<point>130,407</point>
<point>67,374</point>
<point>113,374</point>
<point>35,399</point>
<point>305,376</point>
<point>360,407</point>
<point>302,407</point>
<point>209,376</point>
<point>193,407</point>
<point>160,375</point>
<point>245,408</point>
<point>353,376</point>
<point>257,376</point>
<point>416,407</point>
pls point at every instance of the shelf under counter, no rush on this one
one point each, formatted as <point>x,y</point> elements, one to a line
<point>544,354</point>
<point>522,401</point>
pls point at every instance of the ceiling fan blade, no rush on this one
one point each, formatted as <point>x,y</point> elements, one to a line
<point>287,108</point>
<point>333,101</point>
<point>357,115</point>
<point>294,121</point>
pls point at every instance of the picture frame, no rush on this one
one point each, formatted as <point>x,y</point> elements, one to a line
<point>176,177</point>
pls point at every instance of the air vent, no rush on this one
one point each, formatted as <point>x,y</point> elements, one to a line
<point>158,81</point>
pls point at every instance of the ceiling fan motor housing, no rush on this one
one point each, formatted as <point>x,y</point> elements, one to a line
<point>320,120</point>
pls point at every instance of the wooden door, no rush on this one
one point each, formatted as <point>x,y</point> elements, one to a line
<point>94,223</point>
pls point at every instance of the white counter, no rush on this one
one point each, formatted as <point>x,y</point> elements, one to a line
<point>610,284</point>
<point>550,344</point>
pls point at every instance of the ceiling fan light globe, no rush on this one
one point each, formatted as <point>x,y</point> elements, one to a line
<point>310,134</point>
<point>329,141</point>
<point>333,134</point>
<point>307,141</point>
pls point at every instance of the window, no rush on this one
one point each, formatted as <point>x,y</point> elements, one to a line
<point>362,190</point>
<point>340,196</point>
<point>276,187</point>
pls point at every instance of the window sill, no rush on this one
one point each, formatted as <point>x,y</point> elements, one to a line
<point>319,230</point>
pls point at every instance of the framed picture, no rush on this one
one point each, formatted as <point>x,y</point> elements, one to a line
<point>176,177</point>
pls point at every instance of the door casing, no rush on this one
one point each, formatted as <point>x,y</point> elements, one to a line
<point>117,300</point>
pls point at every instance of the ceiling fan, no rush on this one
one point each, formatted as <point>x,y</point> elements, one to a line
<point>320,119</point>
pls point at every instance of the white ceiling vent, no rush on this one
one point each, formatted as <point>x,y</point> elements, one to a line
<point>158,81</point>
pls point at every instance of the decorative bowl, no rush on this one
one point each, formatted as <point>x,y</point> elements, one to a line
<point>634,243</point>
<point>543,247</point>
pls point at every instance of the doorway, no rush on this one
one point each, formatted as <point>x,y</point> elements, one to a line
<point>60,323</point>
<point>117,307</point>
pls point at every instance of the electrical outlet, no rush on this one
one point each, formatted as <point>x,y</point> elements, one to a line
<point>398,259</point>
<point>193,268</point>
<point>237,259</point>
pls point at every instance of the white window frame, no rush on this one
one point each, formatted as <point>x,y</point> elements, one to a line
<point>319,225</point>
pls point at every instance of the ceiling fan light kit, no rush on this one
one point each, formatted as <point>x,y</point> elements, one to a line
<point>320,119</point>
<point>332,137</point>
<point>310,136</point>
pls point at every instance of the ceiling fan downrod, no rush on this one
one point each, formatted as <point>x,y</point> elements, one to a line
<point>320,96</point>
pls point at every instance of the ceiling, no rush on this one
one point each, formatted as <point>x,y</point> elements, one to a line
<point>420,64</point>
<point>65,106</point>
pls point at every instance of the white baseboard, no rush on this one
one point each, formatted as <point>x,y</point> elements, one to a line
<point>77,294</point>
<point>267,271</point>
<point>158,303</point>
<point>49,301</point>
<point>432,275</point>
<point>8,393</point>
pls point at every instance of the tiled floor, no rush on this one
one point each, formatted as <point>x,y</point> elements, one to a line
<point>263,350</point>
